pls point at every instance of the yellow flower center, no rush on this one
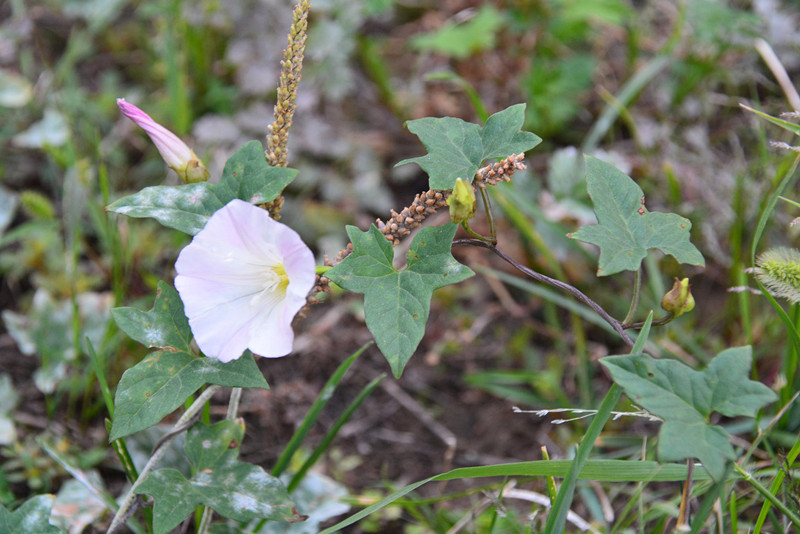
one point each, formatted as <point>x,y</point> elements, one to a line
<point>273,283</point>
<point>275,279</point>
<point>282,278</point>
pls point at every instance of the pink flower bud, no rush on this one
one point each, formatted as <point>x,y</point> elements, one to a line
<point>176,154</point>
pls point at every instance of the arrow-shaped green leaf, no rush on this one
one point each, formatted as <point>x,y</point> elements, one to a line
<point>625,229</point>
<point>246,176</point>
<point>162,381</point>
<point>397,303</point>
<point>456,149</point>
<point>32,516</point>
<point>165,326</point>
<point>685,399</point>
<point>234,489</point>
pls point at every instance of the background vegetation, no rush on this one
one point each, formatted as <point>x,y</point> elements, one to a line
<point>653,87</point>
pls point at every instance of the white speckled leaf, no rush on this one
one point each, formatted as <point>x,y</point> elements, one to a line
<point>163,381</point>
<point>165,326</point>
<point>246,176</point>
<point>32,516</point>
<point>233,489</point>
<point>397,303</point>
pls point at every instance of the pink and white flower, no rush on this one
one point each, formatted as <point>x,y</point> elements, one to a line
<point>176,154</point>
<point>242,280</point>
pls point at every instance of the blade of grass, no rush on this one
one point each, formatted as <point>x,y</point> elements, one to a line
<point>786,125</point>
<point>784,317</point>
<point>101,378</point>
<point>557,519</point>
<point>707,506</point>
<point>176,70</point>
<point>524,215</point>
<point>627,94</point>
<point>472,95</point>
<point>775,486</point>
<point>600,470</point>
<point>121,448</point>
<point>768,495</point>
<point>314,411</point>
<point>332,432</point>
<point>77,474</point>
<point>787,179</point>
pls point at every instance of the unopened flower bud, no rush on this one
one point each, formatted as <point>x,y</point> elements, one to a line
<point>679,299</point>
<point>461,201</point>
<point>175,153</point>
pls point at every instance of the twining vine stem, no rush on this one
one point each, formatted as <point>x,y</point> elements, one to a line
<point>618,326</point>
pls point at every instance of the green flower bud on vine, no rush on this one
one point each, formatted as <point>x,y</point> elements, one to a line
<point>779,270</point>
<point>679,299</point>
<point>461,202</point>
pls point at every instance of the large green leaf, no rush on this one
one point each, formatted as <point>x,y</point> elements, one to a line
<point>685,399</point>
<point>165,326</point>
<point>32,516</point>
<point>246,176</point>
<point>234,489</point>
<point>164,380</point>
<point>625,229</point>
<point>397,303</point>
<point>456,149</point>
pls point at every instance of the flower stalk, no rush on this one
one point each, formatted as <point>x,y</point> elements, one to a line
<point>291,67</point>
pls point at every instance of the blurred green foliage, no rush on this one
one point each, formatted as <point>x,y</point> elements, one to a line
<point>65,155</point>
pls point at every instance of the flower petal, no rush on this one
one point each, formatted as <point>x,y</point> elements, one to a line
<point>227,281</point>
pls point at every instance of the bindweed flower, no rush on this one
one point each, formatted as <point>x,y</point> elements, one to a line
<point>242,280</point>
<point>176,154</point>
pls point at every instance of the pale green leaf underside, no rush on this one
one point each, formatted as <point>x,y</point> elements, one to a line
<point>163,381</point>
<point>32,516</point>
<point>165,326</point>
<point>685,399</point>
<point>625,229</point>
<point>246,176</point>
<point>397,303</point>
<point>233,489</point>
<point>456,149</point>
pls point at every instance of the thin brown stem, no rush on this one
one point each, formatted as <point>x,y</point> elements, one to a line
<point>683,512</point>
<point>539,277</point>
